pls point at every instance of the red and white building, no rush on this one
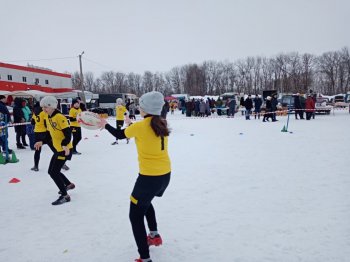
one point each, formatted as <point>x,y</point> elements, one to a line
<point>14,78</point>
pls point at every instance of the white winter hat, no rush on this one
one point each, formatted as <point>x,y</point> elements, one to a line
<point>119,101</point>
<point>152,103</point>
<point>49,101</point>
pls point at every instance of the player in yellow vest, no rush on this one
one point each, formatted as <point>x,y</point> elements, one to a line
<point>59,129</point>
<point>120,113</point>
<point>39,118</point>
<point>75,126</point>
<point>151,138</point>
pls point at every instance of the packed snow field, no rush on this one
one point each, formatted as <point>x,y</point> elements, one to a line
<point>240,191</point>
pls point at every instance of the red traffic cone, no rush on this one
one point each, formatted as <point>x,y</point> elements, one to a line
<point>14,180</point>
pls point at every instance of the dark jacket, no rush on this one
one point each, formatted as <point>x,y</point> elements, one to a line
<point>5,111</point>
<point>268,105</point>
<point>274,104</point>
<point>18,115</point>
<point>257,103</point>
<point>248,103</point>
<point>297,103</point>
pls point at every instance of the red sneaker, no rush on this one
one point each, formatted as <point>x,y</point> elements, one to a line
<point>140,260</point>
<point>154,241</point>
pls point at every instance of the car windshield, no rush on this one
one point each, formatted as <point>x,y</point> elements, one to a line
<point>338,98</point>
<point>347,98</point>
<point>287,100</point>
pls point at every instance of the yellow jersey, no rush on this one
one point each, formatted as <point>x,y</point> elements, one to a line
<point>152,150</point>
<point>56,125</point>
<point>73,112</point>
<point>39,120</point>
<point>120,112</point>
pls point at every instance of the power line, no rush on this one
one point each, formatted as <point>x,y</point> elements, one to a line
<point>94,62</point>
<point>42,59</point>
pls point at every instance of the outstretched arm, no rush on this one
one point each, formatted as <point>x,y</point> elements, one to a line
<point>119,134</point>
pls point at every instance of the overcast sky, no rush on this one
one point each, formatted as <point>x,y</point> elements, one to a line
<point>157,35</point>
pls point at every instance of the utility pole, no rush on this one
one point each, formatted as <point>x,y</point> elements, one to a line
<point>82,79</point>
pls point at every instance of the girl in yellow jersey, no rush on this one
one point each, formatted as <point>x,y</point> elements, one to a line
<point>151,138</point>
<point>41,134</point>
<point>75,126</point>
<point>58,127</point>
<point>120,113</point>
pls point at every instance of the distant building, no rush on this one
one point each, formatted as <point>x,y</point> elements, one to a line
<point>24,78</point>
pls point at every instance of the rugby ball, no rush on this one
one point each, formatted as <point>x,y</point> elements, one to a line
<point>88,120</point>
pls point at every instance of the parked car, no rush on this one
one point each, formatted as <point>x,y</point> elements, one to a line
<point>321,106</point>
<point>339,101</point>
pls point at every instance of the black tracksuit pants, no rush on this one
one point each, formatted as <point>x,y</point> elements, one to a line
<point>119,124</point>
<point>57,161</point>
<point>46,139</point>
<point>76,133</point>
<point>145,189</point>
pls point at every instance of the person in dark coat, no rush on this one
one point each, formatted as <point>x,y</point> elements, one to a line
<point>165,109</point>
<point>241,104</point>
<point>248,103</point>
<point>18,118</point>
<point>189,108</point>
<point>267,114</point>
<point>81,104</point>
<point>298,107</point>
<point>274,104</point>
<point>5,117</point>
<point>257,106</point>
<point>231,107</point>
<point>183,105</point>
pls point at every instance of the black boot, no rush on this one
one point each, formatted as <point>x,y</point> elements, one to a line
<point>20,146</point>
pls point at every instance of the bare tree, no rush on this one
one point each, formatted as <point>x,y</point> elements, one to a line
<point>328,65</point>
<point>308,61</point>
<point>147,83</point>
<point>89,81</point>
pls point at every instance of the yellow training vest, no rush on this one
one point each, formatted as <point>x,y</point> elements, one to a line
<point>55,124</point>
<point>152,153</point>
<point>73,112</point>
<point>40,122</point>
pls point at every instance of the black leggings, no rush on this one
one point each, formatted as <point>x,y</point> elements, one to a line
<point>119,125</point>
<point>76,132</point>
<point>46,139</point>
<point>21,135</point>
<point>145,189</point>
<point>57,161</point>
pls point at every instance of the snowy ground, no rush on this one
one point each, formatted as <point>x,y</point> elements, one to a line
<point>241,191</point>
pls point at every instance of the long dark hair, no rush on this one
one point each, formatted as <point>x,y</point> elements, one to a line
<point>160,126</point>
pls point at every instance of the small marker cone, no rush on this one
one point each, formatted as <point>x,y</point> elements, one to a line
<point>14,159</point>
<point>14,180</point>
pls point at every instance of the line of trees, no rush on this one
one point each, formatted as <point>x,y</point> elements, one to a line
<point>328,74</point>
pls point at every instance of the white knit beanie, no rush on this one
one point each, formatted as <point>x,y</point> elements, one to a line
<point>49,101</point>
<point>119,102</point>
<point>152,103</point>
